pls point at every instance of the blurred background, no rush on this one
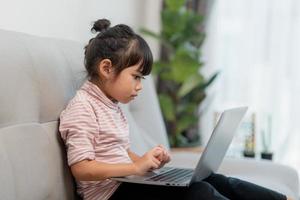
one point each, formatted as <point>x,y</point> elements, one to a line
<point>254,44</point>
<point>251,45</point>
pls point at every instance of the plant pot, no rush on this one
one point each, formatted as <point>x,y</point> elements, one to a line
<point>266,155</point>
<point>249,154</point>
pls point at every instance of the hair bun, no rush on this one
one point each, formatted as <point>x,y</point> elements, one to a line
<point>100,25</point>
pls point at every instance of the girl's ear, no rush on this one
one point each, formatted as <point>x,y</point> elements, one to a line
<point>105,68</point>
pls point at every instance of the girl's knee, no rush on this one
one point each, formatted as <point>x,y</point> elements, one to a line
<point>201,185</point>
<point>218,176</point>
<point>217,179</point>
<point>203,190</point>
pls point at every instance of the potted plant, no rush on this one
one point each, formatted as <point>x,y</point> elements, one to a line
<point>266,141</point>
<point>180,84</point>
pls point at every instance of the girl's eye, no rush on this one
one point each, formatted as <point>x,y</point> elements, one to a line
<point>137,77</point>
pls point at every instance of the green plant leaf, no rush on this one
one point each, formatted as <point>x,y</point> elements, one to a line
<point>187,108</point>
<point>192,108</point>
<point>167,107</point>
<point>150,33</point>
<point>172,24</point>
<point>183,65</point>
<point>191,31</point>
<point>185,121</point>
<point>197,94</point>
<point>177,140</point>
<point>157,36</point>
<point>159,67</point>
<point>191,83</point>
<point>181,27</point>
<point>175,4</point>
<point>210,80</point>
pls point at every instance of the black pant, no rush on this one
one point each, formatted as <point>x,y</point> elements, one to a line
<point>215,187</point>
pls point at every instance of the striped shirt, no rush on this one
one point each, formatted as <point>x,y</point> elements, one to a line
<point>94,128</point>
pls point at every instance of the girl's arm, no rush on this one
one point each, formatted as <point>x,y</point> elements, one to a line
<point>133,156</point>
<point>94,171</point>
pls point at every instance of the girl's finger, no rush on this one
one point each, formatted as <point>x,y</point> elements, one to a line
<point>156,162</point>
<point>156,152</point>
<point>168,157</point>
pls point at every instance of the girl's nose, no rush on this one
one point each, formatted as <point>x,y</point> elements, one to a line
<point>139,86</point>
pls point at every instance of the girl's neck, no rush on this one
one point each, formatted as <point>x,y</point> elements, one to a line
<point>100,85</point>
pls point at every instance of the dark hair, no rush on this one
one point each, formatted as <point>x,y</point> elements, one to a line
<point>121,45</point>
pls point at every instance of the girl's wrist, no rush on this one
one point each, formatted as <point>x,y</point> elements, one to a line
<point>134,168</point>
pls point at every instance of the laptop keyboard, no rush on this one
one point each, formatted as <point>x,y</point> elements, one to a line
<point>175,175</point>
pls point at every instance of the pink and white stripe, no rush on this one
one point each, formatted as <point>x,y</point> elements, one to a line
<point>94,128</point>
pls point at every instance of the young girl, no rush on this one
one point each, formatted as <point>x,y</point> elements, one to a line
<point>95,131</point>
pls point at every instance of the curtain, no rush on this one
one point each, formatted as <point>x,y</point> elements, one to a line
<point>256,47</point>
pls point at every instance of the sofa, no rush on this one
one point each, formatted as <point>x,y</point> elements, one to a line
<point>38,76</point>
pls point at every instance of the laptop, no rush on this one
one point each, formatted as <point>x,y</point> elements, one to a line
<point>209,162</point>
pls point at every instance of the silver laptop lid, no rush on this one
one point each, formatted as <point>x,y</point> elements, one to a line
<point>218,143</point>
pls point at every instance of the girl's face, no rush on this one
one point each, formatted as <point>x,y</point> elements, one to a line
<point>125,86</point>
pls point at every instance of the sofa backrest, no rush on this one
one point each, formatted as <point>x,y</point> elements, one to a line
<point>38,76</point>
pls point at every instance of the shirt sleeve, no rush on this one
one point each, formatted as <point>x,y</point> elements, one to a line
<point>78,127</point>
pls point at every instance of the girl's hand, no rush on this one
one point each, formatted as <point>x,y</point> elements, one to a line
<point>149,161</point>
<point>164,156</point>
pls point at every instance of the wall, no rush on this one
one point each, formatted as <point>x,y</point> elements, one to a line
<point>72,19</point>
